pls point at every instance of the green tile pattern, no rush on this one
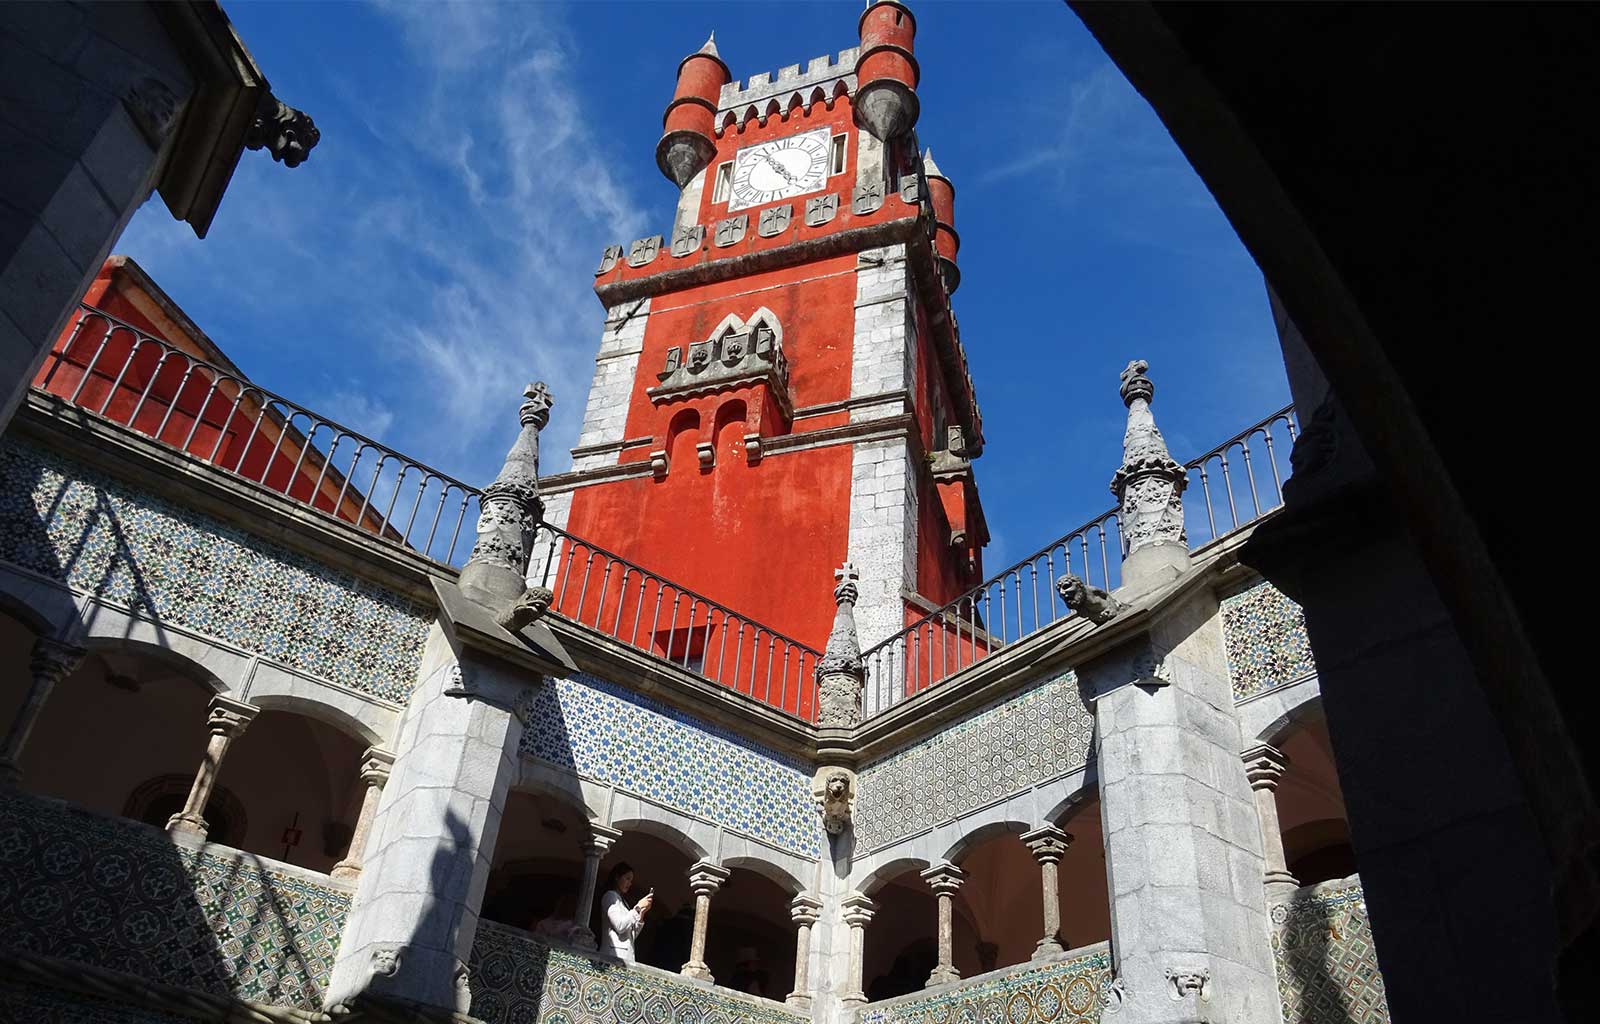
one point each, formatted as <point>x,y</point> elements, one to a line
<point>1327,963</point>
<point>120,895</point>
<point>1266,640</point>
<point>1068,991</point>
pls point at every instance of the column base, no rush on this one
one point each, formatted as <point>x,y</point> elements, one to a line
<point>345,870</point>
<point>1281,887</point>
<point>1047,947</point>
<point>942,975</point>
<point>193,824</point>
<point>799,1000</point>
<point>697,970</point>
<point>854,999</point>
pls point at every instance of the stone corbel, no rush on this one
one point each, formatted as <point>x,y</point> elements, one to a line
<point>1182,984</point>
<point>752,448</point>
<point>658,463</point>
<point>834,790</point>
<point>707,453</point>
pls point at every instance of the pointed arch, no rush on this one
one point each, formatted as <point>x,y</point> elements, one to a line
<point>763,315</point>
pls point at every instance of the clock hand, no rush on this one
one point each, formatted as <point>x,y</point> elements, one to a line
<point>783,171</point>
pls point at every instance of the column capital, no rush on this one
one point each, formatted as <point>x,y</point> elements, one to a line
<point>804,909</point>
<point>858,909</point>
<point>1264,766</point>
<point>53,659</point>
<point>706,878</point>
<point>600,840</point>
<point>229,717</point>
<point>944,879</point>
<point>375,765</point>
<point>1048,843</point>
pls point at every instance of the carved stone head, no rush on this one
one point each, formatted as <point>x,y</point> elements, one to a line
<point>288,134</point>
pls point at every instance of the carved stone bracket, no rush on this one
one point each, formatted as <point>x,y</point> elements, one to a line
<point>835,792</point>
<point>288,134</point>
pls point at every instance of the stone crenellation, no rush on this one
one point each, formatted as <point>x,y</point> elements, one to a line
<point>792,81</point>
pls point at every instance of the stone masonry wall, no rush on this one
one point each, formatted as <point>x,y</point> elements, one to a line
<point>605,418</point>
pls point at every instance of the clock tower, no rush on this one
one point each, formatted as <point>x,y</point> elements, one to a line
<point>781,386</point>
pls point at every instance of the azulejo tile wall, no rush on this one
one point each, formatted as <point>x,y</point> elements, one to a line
<point>120,895</point>
<point>1043,733</point>
<point>1069,991</point>
<point>516,979</point>
<point>1327,964</point>
<point>37,1004</point>
<point>606,732</point>
<point>1266,639</point>
<point>174,565</point>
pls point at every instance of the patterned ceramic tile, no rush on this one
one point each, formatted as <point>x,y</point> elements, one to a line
<point>22,1001</point>
<point>1064,992</point>
<point>1327,965</point>
<point>1028,738</point>
<point>1266,637</point>
<point>607,733</point>
<point>120,895</point>
<point>516,979</point>
<point>174,565</point>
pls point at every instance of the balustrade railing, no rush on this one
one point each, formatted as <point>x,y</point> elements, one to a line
<point>604,591</point>
<point>1021,600</point>
<point>117,371</point>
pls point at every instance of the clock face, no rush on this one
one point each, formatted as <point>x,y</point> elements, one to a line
<point>780,169</point>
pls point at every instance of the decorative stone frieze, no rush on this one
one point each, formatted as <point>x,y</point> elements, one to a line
<point>687,241</point>
<point>731,230</point>
<point>496,571</point>
<point>774,220</point>
<point>737,354</point>
<point>840,674</point>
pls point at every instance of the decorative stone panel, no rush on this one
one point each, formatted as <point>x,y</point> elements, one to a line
<point>174,565</point>
<point>1266,638</point>
<point>607,733</point>
<point>1327,964</point>
<point>38,1004</point>
<point>120,895</point>
<point>516,979</point>
<point>1035,736</point>
<point>1066,991</point>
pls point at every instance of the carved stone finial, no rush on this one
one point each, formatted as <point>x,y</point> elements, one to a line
<point>1149,485</point>
<point>710,48</point>
<point>509,512</point>
<point>1094,604</point>
<point>840,674</point>
<point>288,134</point>
<point>929,168</point>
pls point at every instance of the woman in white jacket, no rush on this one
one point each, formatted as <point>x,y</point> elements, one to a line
<point>620,925</point>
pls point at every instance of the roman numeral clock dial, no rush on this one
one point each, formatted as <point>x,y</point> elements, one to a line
<point>780,169</point>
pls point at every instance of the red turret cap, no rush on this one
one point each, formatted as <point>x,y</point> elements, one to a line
<point>689,141</point>
<point>886,71</point>
<point>945,240</point>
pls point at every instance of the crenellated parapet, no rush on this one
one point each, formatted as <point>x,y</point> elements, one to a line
<point>824,80</point>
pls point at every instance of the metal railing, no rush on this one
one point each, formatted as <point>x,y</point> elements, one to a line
<point>1021,600</point>
<point>604,591</point>
<point>114,370</point>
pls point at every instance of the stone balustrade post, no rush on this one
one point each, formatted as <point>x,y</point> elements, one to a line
<point>227,721</point>
<point>50,662</point>
<point>598,843</point>
<point>1264,766</point>
<point>375,765</point>
<point>803,910</point>
<point>705,878</point>
<point>858,911</point>
<point>1049,844</point>
<point>945,880</point>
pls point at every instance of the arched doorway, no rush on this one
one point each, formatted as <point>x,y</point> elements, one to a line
<point>537,868</point>
<point>1311,811</point>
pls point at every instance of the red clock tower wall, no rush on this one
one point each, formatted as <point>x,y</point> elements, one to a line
<point>780,386</point>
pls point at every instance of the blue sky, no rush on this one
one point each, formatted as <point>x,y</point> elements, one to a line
<point>436,251</point>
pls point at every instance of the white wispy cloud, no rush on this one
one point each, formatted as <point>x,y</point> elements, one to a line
<point>432,248</point>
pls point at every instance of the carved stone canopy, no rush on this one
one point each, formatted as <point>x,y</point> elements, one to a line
<point>735,354</point>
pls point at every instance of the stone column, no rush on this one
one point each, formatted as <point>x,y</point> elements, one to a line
<point>227,721</point>
<point>944,880</point>
<point>51,662</point>
<point>803,909</point>
<point>1049,844</point>
<point>599,842</point>
<point>375,764</point>
<point>705,878</point>
<point>858,911</point>
<point>1263,766</point>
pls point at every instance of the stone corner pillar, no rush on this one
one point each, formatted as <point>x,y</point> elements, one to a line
<point>596,845</point>
<point>858,910</point>
<point>1264,766</point>
<point>227,719</point>
<point>50,662</point>
<point>945,881</point>
<point>376,764</point>
<point>412,923</point>
<point>804,910</point>
<point>1048,845</point>
<point>705,878</point>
